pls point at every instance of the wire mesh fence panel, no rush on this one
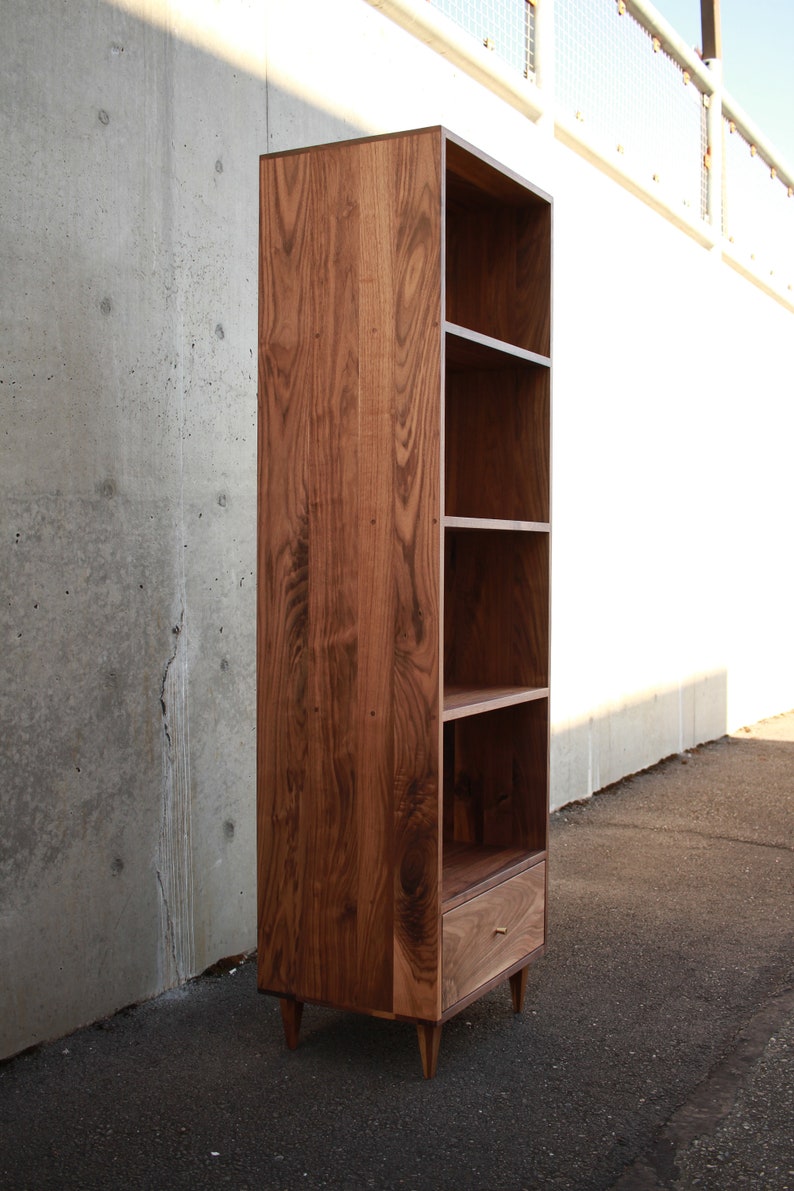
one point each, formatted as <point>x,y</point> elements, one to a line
<point>507,27</point>
<point>757,209</point>
<point>639,108</point>
<point>636,104</point>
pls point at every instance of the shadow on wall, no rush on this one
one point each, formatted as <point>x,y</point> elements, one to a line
<point>622,738</point>
<point>129,191</point>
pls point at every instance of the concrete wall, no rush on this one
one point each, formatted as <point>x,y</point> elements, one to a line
<point>128,190</point>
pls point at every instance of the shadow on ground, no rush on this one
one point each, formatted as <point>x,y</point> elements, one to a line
<point>653,1050</point>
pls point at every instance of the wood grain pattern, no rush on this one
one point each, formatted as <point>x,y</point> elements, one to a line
<point>471,869</point>
<point>361,378</point>
<point>496,609</point>
<point>329,956</point>
<point>376,592</point>
<point>533,279</point>
<point>498,274</point>
<point>497,442</point>
<point>490,933</point>
<point>515,808</point>
<point>472,175</point>
<point>466,701</point>
<point>417,354</point>
<point>498,252</point>
<point>285,375</point>
<point>499,778</point>
<point>349,585</point>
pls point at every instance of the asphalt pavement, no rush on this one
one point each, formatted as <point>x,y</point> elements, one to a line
<point>654,1050</point>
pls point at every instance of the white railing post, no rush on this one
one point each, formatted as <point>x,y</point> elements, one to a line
<point>544,59</point>
<point>715,180</point>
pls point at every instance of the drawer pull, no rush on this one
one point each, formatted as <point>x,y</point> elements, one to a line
<point>500,930</point>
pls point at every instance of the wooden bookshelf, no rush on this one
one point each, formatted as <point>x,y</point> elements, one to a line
<point>403,582</point>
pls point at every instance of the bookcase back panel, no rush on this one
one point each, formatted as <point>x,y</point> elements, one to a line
<point>497,442</point>
<point>498,253</point>
<point>496,623</point>
<point>498,275</point>
<point>495,774</point>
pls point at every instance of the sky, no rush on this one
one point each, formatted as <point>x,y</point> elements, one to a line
<point>757,59</point>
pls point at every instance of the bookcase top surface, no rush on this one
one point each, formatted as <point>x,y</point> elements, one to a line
<point>457,162</point>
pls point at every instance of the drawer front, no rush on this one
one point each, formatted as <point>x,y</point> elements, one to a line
<point>490,933</point>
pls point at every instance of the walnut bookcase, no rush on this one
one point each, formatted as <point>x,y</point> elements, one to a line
<point>403,578</point>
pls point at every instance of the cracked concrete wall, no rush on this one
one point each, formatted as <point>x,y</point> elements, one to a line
<point>131,132</point>
<point>128,486</point>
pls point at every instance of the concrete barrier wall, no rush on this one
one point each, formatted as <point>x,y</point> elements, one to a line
<point>128,189</point>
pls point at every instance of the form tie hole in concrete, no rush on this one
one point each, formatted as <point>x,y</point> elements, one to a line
<point>104,118</point>
<point>106,305</point>
<point>228,829</point>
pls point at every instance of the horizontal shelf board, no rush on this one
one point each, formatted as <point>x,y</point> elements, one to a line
<point>464,701</point>
<point>471,349</point>
<point>471,869</point>
<point>502,523</point>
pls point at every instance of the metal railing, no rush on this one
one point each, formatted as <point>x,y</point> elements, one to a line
<point>620,82</point>
<point>633,98</point>
<point>758,201</point>
<point>505,27</point>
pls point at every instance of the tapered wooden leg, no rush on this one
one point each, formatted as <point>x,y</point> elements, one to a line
<point>429,1042</point>
<point>518,986</point>
<point>291,1014</point>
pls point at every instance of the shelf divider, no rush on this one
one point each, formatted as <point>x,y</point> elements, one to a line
<point>464,701</point>
<point>472,347</point>
<point>471,869</point>
<point>496,523</point>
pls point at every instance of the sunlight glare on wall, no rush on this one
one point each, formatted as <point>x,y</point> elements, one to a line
<point>232,29</point>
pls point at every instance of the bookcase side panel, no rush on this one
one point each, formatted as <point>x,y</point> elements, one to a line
<point>285,379</point>
<point>325,823</point>
<point>348,611</point>
<point>533,277</point>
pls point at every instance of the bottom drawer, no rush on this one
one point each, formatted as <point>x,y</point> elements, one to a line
<point>487,935</point>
